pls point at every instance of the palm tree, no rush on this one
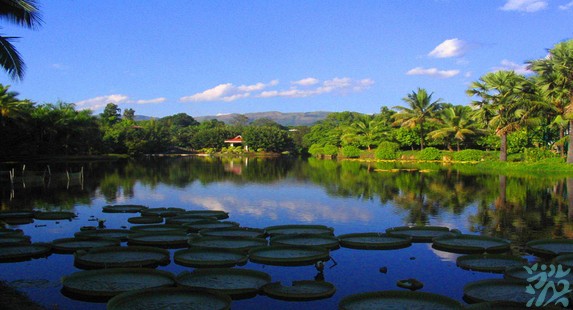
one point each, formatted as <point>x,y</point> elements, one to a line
<point>10,106</point>
<point>366,131</point>
<point>421,110</point>
<point>457,125</point>
<point>504,94</point>
<point>23,13</point>
<point>556,79</point>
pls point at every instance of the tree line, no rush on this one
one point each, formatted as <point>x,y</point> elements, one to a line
<point>509,112</point>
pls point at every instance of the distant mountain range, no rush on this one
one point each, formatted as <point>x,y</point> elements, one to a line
<point>285,119</point>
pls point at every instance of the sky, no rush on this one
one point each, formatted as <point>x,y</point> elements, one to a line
<point>210,57</point>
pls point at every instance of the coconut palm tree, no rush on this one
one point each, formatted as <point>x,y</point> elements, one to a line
<point>420,111</point>
<point>556,80</point>
<point>505,94</point>
<point>457,124</point>
<point>366,131</point>
<point>23,13</point>
<point>10,106</point>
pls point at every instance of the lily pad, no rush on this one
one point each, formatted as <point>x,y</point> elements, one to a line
<point>11,232</point>
<point>233,232</point>
<point>171,239</point>
<point>398,300</point>
<point>489,262</point>
<point>70,245</point>
<point>163,212</point>
<point>55,215</point>
<point>169,298</point>
<point>145,220</point>
<point>325,241</point>
<point>374,241</point>
<point>463,243</point>
<point>117,256</point>
<point>300,290</point>
<point>19,252</point>
<point>187,219</point>
<point>298,229</point>
<point>210,257</point>
<point>419,233</point>
<point>123,208</point>
<point>120,234</point>
<point>497,290</point>
<point>519,273</point>
<point>218,214</point>
<point>16,214</point>
<point>14,239</point>
<point>237,243</point>
<point>566,260</point>
<point>288,255</point>
<point>231,281</point>
<point>158,228</point>
<point>111,282</point>
<point>550,247</point>
<point>209,224</point>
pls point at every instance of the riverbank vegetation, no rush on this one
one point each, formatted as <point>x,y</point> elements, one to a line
<point>512,117</point>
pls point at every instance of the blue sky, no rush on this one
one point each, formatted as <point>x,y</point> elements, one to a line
<point>216,57</point>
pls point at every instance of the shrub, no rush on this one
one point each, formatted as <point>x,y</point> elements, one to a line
<point>430,153</point>
<point>469,155</point>
<point>537,154</point>
<point>387,150</point>
<point>351,151</point>
<point>330,149</point>
<point>316,150</point>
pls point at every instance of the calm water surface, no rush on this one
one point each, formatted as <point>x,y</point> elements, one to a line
<point>351,197</point>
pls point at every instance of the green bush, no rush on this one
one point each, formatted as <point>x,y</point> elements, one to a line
<point>469,155</point>
<point>351,151</point>
<point>537,154</point>
<point>430,153</point>
<point>330,149</point>
<point>316,150</point>
<point>387,150</point>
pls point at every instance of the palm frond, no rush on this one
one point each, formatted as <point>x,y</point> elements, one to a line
<point>10,59</point>
<point>24,13</point>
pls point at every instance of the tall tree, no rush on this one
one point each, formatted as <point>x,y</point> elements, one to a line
<point>24,13</point>
<point>365,132</point>
<point>421,110</point>
<point>10,106</point>
<point>111,114</point>
<point>457,124</point>
<point>504,94</point>
<point>556,78</point>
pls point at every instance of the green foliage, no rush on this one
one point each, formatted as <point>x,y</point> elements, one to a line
<point>351,151</point>
<point>430,153</point>
<point>213,137</point>
<point>537,154</point>
<point>316,150</point>
<point>517,141</point>
<point>468,155</point>
<point>268,138</point>
<point>406,137</point>
<point>330,150</point>
<point>387,150</point>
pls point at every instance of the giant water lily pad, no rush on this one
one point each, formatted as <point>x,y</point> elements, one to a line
<point>288,255</point>
<point>187,219</point>
<point>497,290</point>
<point>300,290</point>
<point>419,233</point>
<point>325,241</point>
<point>158,228</point>
<point>374,241</point>
<point>117,256</point>
<point>169,298</point>
<point>232,281</point>
<point>218,214</point>
<point>123,208</point>
<point>11,232</point>
<point>298,229</point>
<point>520,273</point>
<point>566,260</point>
<point>16,214</point>
<point>398,300</point>
<point>210,257</point>
<point>54,215</point>
<point>463,243</point>
<point>19,252</point>
<point>111,282</point>
<point>145,220</point>
<point>489,262</point>
<point>14,239</point>
<point>70,245</point>
<point>120,234</point>
<point>163,212</point>
<point>209,224</point>
<point>237,243</point>
<point>233,232</point>
<point>550,247</point>
<point>173,239</point>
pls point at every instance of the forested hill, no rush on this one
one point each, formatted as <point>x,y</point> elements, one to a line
<point>285,119</point>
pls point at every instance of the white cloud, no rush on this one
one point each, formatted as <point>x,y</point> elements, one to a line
<point>566,6</point>
<point>101,101</point>
<point>449,48</point>
<point>528,6</point>
<point>156,100</point>
<point>302,88</point>
<point>433,72</point>
<point>512,66</point>
<point>306,82</point>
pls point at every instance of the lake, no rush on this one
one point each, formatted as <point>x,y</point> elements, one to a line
<point>349,196</point>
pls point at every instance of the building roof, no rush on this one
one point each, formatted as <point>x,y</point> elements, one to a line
<point>237,139</point>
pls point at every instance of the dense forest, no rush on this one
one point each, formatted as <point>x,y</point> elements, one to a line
<point>512,113</point>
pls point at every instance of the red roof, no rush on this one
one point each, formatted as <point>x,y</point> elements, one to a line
<point>237,139</point>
